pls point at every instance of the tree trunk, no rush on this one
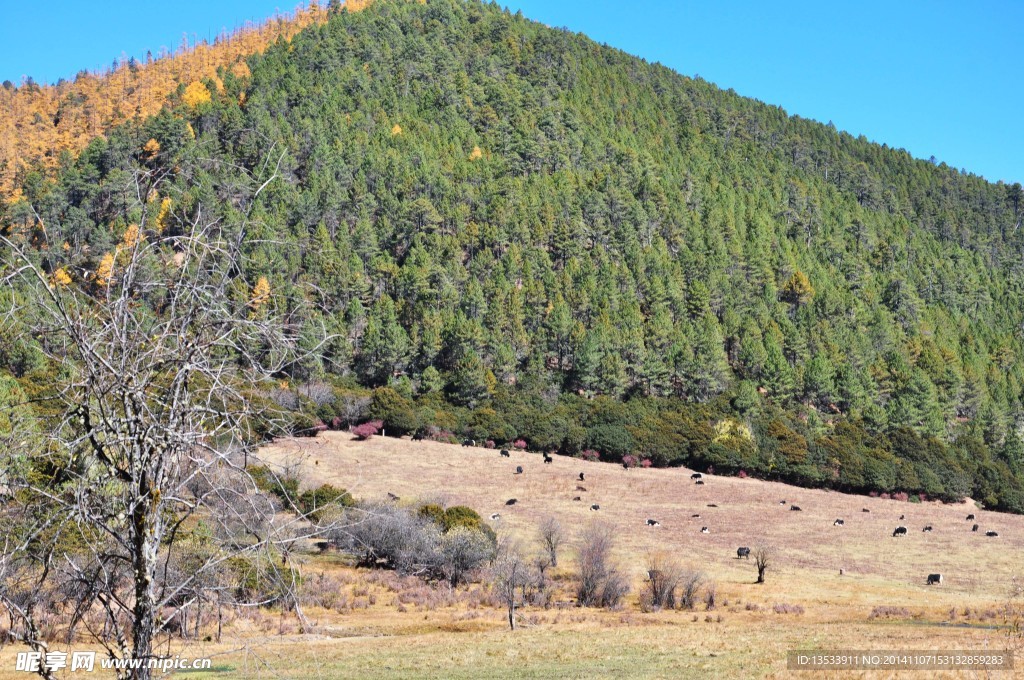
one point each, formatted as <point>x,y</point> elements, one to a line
<point>512,617</point>
<point>144,563</point>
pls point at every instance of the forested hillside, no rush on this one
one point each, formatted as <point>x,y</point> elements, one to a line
<point>511,232</point>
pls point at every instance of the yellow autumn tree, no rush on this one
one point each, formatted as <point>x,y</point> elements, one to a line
<point>131,238</point>
<point>396,130</point>
<point>163,214</point>
<point>105,271</point>
<point>476,153</point>
<point>151,148</point>
<point>60,278</point>
<point>260,294</point>
<point>798,289</point>
<point>195,95</point>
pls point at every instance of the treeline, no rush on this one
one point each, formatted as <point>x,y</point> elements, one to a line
<point>533,236</point>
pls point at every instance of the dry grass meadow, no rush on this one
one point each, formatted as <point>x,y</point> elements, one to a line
<point>377,624</point>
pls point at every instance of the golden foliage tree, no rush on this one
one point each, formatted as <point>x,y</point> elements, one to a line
<point>798,289</point>
<point>196,94</point>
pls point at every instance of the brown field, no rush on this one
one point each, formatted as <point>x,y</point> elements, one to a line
<point>380,625</point>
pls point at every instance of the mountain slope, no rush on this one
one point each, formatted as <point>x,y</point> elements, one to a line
<point>38,122</point>
<point>523,234</point>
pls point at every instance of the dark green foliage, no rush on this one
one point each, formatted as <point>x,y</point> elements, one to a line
<point>313,502</point>
<point>633,258</point>
<point>284,487</point>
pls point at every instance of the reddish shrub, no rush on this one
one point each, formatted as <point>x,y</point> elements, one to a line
<point>923,497</point>
<point>519,444</point>
<point>590,454</point>
<point>646,463</point>
<point>873,494</point>
<point>884,496</point>
<point>901,496</point>
<point>629,460</point>
<point>742,474</point>
<point>711,469</point>
<point>489,444</point>
<point>367,429</point>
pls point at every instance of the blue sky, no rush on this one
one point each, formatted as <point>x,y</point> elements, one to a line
<point>937,78</point>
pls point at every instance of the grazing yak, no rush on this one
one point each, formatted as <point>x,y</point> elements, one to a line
<point>580,488</point>
<point>712,505</point>
<point>935,579</point>
<point>519,469</point>
<point>577,498</point>
<point>581,477</point>
<point>970,517</point>
<point>697,515</point>
<point>743,552</point>
<point>595,507</point>
<point>900,531</point>
<point>864,510</point>
<point>511,501</point>
<point>927,528</point>
<point>838,523</point>
<point>901,516</point>
<point>495,517</point>
<point>417,436</point>
<point>699,481</point>
<point>392,497</point>
<point>782,502</point>
<point>696,475</point>
<point>991,534</point>
<point>974,528</point>
<point>547,458</point>
<point>653,523</point>
<point>505,453</point>
<point>705,530</point>
<point>795,508</point>
<point>469,442</point>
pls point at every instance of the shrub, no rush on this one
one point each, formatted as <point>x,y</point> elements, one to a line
<point>590,454</point>
<point>741,474</point>
<point>646,463</point>
<point>285,487</point>
<point>601,584</point>
<point>889,612</point>
<point>663,576</point>
<point>489,444</point>
<point>396,411</point>
<point>690,583</point>
<point>613,440</point>
<point>433,512</point>
<point>367,429</point>
<point>314,501</point>
<point>519,444</point>
<point>629,460</point>
<point>783,608</point>
<point>901,496</point>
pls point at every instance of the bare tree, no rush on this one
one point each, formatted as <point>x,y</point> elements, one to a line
<point>601,583</point>
<point>663,575</point>
<point>158,356</point>
<point>551,537</point>
<point>690,583</point>
<point>511,576</point>
<point>764,559</point>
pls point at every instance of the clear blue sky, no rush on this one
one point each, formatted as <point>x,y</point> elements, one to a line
<point>938,78</point>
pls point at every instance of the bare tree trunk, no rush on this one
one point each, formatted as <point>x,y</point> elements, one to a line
<point>144,608</point>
